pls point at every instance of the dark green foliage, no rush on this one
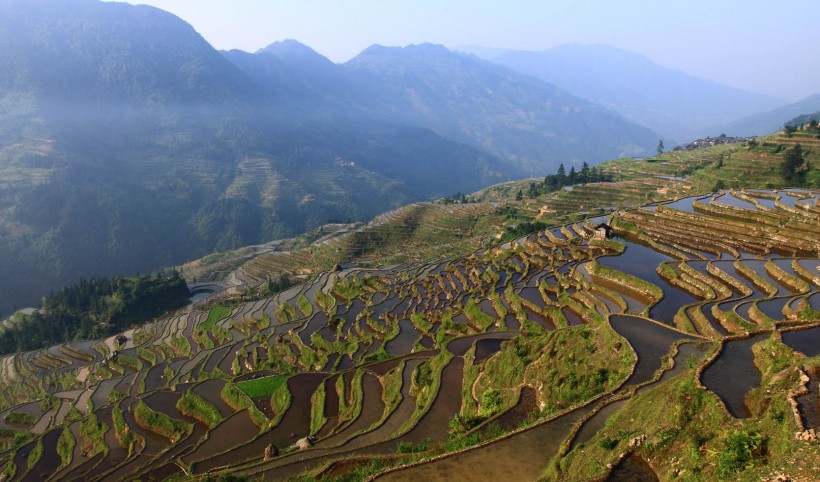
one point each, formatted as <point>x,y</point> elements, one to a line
<point>227,478</point>
<point>793,168</point>
<point>608,443</point>
<point>809,120</point>
<point>739,451</point>
<point>277,285</point>
<point>554,182</point>
<point>96,308</point>
<point>409,447</point>
<point>522,229</point>
<point>18,418</point>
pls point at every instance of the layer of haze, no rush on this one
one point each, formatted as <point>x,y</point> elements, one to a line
<point>758,45</point>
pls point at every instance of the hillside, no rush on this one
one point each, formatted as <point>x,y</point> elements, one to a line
<point>124,129</point>
<point>679,106</point>
<point>683,348</point>
<point>534,124</point>
<point>765,122</point>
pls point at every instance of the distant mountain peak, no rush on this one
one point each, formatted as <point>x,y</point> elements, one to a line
<point>289,48</point>
<point>425,49</point>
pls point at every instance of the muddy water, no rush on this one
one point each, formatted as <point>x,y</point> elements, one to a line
<point>183,446</point>
<point>515,416</point>
<point>539,319</point>
<point>572,317</point>
<point>433,425</point>
<point>155,378</point>
<point>300,461</point>
<point>651,342</point>
<point>773,308</point>
<point>317,321</point>
<point>49,460</point>
<point>511,322</point>
<point>809,404</point>
<point>460,346</point>
<point>372,410</point>
<point>597,422</point>
<point>485,348</point>
<point>641,261</point>
<point>234,431</point>
<point>163,401</point>
<point>686,352</point>
<point>733,374</point>
<point>100,396</point>
<point>403,343</point>
<point>804,341</point>
<point>215,357</point>
<point>533,296</point>
<point>632,469</point>
<point>523,456</point>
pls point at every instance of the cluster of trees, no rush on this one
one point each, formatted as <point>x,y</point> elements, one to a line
<point>794,166</point>
<point>804,120</point>
<point>554,182</point>
<point>95,308</point>
<point>808,122</point>
<point>276,285</point>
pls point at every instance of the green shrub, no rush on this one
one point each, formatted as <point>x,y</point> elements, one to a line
<point>737,453</point>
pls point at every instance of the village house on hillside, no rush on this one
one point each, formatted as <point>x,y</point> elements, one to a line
<point>711,141</point>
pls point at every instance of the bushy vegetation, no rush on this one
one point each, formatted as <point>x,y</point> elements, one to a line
<point>95,308</point>
<point>92,431</point>
<point>19,418</point>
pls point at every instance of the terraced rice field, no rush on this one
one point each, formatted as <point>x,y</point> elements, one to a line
<point>510,359</point>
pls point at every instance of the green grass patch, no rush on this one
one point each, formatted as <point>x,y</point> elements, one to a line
<point>35,454</point>
<point>215,314</point>
<point>195,406</point>
<point>65,447</point>
<point>238,400</point>
<point>317,412</point>
<point>92,434</point>
<point>262,387</point>
<point>160,423</point>
<point>17,418</point>
<point>477,316</point>
<point>350,404</point>
<point>304,305</point>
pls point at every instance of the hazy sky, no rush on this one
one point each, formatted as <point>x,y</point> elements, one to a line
<point>759,45</point>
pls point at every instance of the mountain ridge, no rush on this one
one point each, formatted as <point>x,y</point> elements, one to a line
<point>677,104</point>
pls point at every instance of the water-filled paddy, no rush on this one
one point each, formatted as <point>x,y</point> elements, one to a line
<point>805,341</point>
<point>632,469</point>
<point>641,261</point>
<point>733,374</point>
<point>523,456</point>
<point>650,341</point>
